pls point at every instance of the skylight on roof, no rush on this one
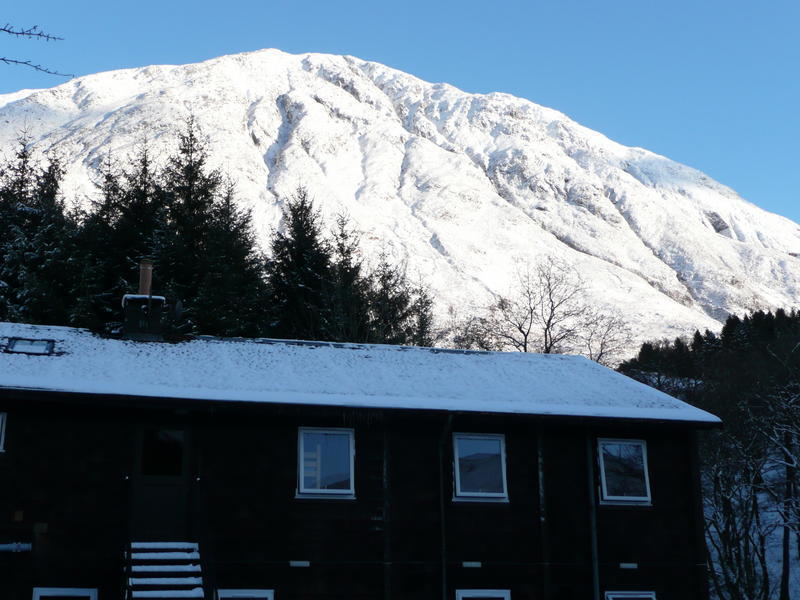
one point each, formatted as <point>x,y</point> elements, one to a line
<point>28,346</point>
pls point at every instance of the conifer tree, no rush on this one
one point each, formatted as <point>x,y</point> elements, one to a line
<point>231,292</point>
<point>185,220</point>
<point>349,320</point>
<point>422,332</point>
<point>299,273</point>
<point>119,231</point>
<point>189,191</point>
<point>400,313</point>
<point>37,247</point>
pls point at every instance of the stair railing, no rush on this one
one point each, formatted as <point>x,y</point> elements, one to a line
<point>127,530</point>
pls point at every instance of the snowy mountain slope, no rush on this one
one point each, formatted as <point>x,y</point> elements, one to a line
<point>466,187</point>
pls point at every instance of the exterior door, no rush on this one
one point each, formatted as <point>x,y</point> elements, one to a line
<point>160,494</point>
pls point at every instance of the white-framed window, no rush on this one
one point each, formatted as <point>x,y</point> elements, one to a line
<point>630,596</point>
<point>246,594</point>
<point>479,466</point>
<point>624,475</point>
<point>41,593</point>
<point>483,594</point>
<point>326,460</point>
<point>2,432</point>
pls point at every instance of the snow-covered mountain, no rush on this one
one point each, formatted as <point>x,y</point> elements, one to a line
<point>465,187</point>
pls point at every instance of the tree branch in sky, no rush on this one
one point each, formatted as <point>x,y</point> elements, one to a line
<point>31,33</point>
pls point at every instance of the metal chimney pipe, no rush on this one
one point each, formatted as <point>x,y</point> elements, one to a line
<point>145,276</point>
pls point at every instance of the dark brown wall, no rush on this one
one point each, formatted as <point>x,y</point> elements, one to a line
<point>63,489</point>
<point>66,464</point>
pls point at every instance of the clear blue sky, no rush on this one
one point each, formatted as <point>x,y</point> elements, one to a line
<point>713,84</point>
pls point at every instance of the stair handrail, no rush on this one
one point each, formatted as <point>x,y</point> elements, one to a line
<point>127,536</point>
<point>200,529</point>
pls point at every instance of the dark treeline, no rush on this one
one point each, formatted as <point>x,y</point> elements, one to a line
<point>65,266</point>
<point>749,375</point>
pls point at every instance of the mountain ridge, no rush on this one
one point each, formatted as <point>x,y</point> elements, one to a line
<point>464,187</point>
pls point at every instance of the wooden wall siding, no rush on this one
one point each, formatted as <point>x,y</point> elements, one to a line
<point>65,472</point>
<point>657,537</point>
<point>568,572</point>
<point>66,466</point>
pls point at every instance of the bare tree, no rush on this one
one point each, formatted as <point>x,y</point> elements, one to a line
<point>777,419</point>
<point>546,311</point>
<point>470,333</point>
<point>30,33</point>
<point>737,531</point>
<point>543,310</point>
<point>604,337</point>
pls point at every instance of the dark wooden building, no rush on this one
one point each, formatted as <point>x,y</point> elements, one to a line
<point>264,469</point>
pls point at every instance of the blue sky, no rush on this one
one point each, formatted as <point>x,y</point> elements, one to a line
<point>709,83</point>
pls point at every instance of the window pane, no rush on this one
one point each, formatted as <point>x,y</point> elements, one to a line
<point>162,453</point>
<point>326,461</point>
<point>623,465</point>
<point>479,465</point>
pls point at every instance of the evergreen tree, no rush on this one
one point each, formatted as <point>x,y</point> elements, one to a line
<point>422,333</point>
<point>390,304</point>
<point>184,219</point>
<point>121,229</point>
<point>63,268</point>
<point>37,248</point>
<point>400,312</point>
<point>349,320</point>
<point>231,292</point>
<point>189,193</point>
<point>300,273</point>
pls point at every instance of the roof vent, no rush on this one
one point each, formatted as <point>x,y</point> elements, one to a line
<point>30,346</point>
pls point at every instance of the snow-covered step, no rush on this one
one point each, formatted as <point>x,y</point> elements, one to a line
<point>191,568</point>
<point>180,581</point>
<point>165,555</point>
<point>185,546</point>
<point>193,593</point>
<point>164,571</point>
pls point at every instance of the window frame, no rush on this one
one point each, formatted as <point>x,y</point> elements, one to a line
<point>627,595</point>
<point>249,594</point>
<point>3,419</point>
<point>465,496</point>
<point>302,492</point>
<point>605,497</point>
<point>499,594</point>
<point>90,593</point>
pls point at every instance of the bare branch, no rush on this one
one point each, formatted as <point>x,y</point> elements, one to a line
<point>32,65</point>
<point>30,32</point>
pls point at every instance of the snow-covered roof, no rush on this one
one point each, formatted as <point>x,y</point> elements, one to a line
<point>353,375</point>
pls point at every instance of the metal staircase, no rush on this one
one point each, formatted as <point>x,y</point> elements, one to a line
<point>163,571</point>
